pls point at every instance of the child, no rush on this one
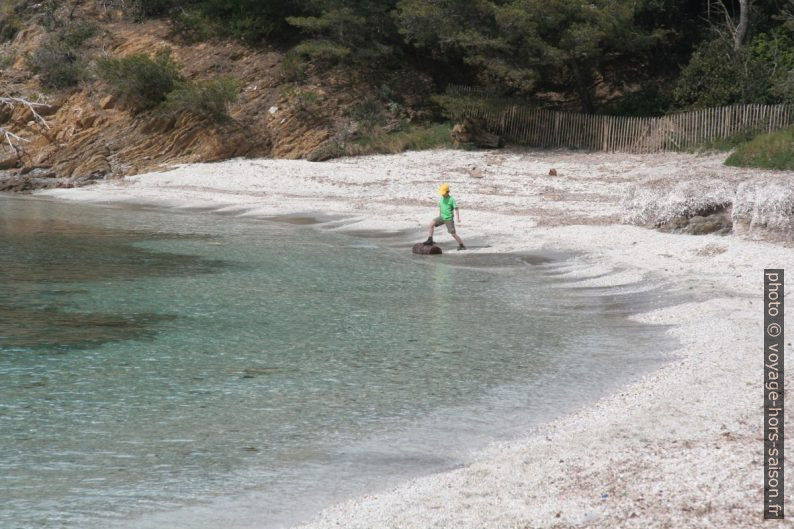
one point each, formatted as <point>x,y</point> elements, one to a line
<point>447,206</point>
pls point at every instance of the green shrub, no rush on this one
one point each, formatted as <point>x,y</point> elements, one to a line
<point>322,49</point>
<point>7,59</point>
<point>784,88</point>
<point>74,35</point>
<point>776,49</point>
<point>725,144</point>
<point>304,100</point>
<point>774,150</point>
<point>369,113</point>
<point>251,20</point>
<point>49,18</point>
<point>412,138</point>
<point>10,24</point>
<point>58,59</point>
<point>210,99</point>
<point>153,8</point>
<point>193,25</point>
<point>59,65</point>
<point>139,80</point>
<point>293,68</point>
<point>719,75</point>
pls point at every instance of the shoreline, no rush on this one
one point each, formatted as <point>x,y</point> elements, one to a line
<point>678,448</point>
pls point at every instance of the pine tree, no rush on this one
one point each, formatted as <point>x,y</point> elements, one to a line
<point>350,30</point>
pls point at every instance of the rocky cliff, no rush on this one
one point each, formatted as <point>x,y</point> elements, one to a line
<point>90,135</point>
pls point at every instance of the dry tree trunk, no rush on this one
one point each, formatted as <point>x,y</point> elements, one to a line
<point>737,30</point>
<point>744,22</point>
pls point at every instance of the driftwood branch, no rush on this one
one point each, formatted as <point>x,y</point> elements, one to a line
<point>15,141</point>
<point>11,102</point>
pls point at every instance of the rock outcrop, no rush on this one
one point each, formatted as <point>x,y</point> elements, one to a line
<point>754,208</point>
<point>764,209</point>
<point>89,134</point>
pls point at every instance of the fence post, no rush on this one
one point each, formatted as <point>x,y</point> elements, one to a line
<point>545,128</point>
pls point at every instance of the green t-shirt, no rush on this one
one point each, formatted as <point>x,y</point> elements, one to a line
<point>447,205</point>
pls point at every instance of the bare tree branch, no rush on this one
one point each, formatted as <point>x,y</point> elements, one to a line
<point>13,140</point>
<point>13,101</point>
<point>736,30</point>
<point>720,6</point>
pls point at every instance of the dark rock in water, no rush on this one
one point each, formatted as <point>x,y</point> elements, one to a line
<point>426,249</point>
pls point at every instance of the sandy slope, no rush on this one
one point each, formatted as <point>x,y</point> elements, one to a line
<point>681,448</point>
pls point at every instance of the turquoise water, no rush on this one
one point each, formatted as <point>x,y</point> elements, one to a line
<point>188,370</point>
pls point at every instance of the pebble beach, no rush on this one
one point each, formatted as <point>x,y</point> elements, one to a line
<point>682,447</point>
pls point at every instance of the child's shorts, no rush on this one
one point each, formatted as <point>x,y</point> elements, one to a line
<point>438,221</point>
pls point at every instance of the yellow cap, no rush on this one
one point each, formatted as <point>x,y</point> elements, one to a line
<point>443,189</point>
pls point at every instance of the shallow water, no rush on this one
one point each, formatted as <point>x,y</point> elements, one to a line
<point>187,370</point>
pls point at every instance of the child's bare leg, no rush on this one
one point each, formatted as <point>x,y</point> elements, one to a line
<point>432,228</point>
<point>457,238</point>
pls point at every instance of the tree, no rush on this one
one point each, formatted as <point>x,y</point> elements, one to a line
<point>254,21</point>
<point>718,74</point>
<point>525,44</point>
<point>737,29</point>
<point>788,15</point>
<point>356,30</point>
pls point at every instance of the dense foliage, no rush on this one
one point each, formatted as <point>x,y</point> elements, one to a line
<point>143,83</point>
<point>774,150</point>
<point>625,56</point>
<point>635,56</point>
<point>58,59</point>
<point>140,81</point>
<point>210,99</point>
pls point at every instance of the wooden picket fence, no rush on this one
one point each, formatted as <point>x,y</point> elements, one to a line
<point>528,125</point>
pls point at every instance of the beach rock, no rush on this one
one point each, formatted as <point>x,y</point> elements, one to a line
<point>474,172</point>
<point>718,223</point>
<point>9,162</point>
<point>48,109</point>
<point>15,183</point>
<point>40,178</point>
<point>107,102</point>
<point>426,249</point>
<point>552,172</point>
<point>716,220</point>
<point>657,203</point>
<point>325,151</point>
<point>764,210</point>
